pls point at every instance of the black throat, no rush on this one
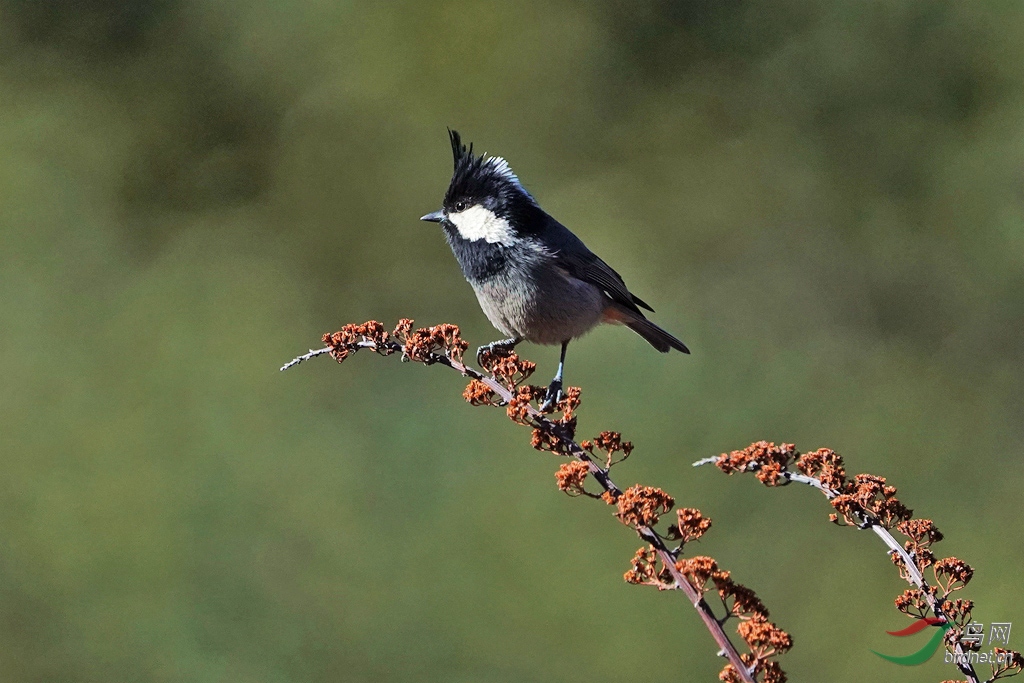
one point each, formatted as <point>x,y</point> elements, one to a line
<point>480,260</point>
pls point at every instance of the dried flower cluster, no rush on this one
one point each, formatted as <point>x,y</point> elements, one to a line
<point>426,344</point>
<point>763,638</point>
<point>1011,664</point>
<point>346,340</point>
<point>643,505</point>
<point>506,366</point>
<point>479,394</point>
<point>571,476</point>
<point>551,434</point>
<point>868,502</point>
<point>609,442</point>
<point>690,525</point>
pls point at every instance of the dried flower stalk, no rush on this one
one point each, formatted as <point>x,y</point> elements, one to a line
<point>868,502</point>
<point>639,507</point>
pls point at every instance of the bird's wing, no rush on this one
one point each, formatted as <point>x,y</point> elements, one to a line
<point>583,264</point>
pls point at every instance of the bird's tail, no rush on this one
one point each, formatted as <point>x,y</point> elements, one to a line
<point>655,336</point>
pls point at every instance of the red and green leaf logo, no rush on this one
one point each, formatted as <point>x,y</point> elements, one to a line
<point>926,652</point>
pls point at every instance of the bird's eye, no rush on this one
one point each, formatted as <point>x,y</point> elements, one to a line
<point>460,206</point>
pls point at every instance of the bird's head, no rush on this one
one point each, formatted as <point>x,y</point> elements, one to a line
<point>485,199</point>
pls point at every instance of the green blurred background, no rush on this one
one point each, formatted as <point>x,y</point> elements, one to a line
<point>824,200</point>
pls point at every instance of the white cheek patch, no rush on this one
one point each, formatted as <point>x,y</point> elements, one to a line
<point>478,223</point>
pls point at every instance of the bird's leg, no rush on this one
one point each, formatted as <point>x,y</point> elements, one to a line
<point>554,394</point>
<point>507,344</point>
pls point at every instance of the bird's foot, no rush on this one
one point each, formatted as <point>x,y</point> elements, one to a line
<point>502,344</point>
<point>553,396</point>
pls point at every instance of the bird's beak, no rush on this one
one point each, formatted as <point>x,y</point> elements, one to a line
<point>435,217</point>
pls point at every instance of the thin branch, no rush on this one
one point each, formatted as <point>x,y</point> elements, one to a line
<point>313,353</point>
<point>916,577</point>
<point>600,474</point>
<point>869,521</point>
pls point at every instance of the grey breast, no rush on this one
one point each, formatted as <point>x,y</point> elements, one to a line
<point>535,299</point>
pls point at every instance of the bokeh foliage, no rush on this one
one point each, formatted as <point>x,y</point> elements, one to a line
<point>824,200</point>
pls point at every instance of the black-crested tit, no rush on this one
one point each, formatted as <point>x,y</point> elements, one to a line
<point>534,279</point>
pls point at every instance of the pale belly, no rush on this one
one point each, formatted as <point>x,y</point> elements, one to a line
<point>548,310</point>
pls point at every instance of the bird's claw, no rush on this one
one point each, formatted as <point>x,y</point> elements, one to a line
<point>480,353</point>
<point>553,396</point>
<point>507,344</point>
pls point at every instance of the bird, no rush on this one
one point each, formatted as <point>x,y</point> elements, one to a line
<point>534,279</point>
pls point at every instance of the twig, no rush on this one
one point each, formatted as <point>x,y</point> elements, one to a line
<point>915,575</point>
<point>353,338</point>
<point>313,353</point>
<point>774,463</point>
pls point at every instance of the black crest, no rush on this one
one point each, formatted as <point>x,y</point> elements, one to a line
<point>460,152</point>
<point>483,178</point>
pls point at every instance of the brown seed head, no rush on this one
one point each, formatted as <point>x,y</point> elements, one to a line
<point>923,557</point>
<point>769,473</point>
<point>872,494</point>
<point>952,574</point>
<point>869,498</point>
<point>698,570</point>
<point>958,611</point>
<point>922,531</point>
<point>402,329</point>
<point>913,603</point>
<point>479,394</point>
<point>1008,663</point>
<point>569,403</point>
<point>763,637</point>
<point>571,477</point>
<point>756,667</point>
<point>643,505</point>
<point>506,366</point>
<point>690,525</point>
<point>519,407</point>
<point>544,440</point>
<point>773,673</point>
<point>644,567</point>
<point>346,340</point>
<point>762,455</point>
<point>824,464</point>
<point>740,600</point>
<point>611,443</point>
<point>427,342</point>
<point>955,636</point>
<point>729,675</point>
